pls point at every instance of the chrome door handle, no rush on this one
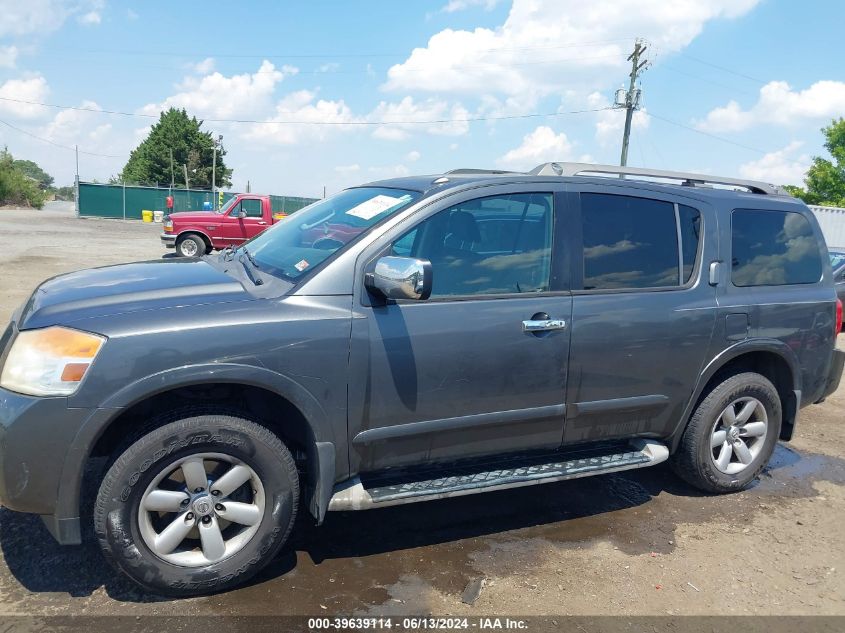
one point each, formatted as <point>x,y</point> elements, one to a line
<point>543,325</point>
<point>262,222</point>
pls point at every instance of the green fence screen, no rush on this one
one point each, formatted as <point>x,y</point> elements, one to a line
<point>117,201</point>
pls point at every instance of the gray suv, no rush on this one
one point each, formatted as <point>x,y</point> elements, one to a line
<point>409,340</point>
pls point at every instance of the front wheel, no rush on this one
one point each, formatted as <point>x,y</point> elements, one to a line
<point>190,246</point>
<point>731,435</point>
<point>198,505</point>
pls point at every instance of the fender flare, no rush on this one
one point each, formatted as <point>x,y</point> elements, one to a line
<point>204,235</point>
<point>68,506</point>
<point>721,359</point>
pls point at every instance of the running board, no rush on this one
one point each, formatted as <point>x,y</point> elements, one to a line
<point>355,494</point>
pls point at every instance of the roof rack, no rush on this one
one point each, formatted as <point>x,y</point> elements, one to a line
<point>466,171</point>
<point>686,179</point>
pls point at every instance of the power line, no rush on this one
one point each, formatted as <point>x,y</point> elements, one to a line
<point>53,143</point>
<point>723,68</point>
<point>337,123</point>
<point>183,54</point>
<point>708,134</point>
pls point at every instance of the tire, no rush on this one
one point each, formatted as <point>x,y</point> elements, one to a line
<point>190,246</point>
<point>130,535</point>
<point>699,459</point>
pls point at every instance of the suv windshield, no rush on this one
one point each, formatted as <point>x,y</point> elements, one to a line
<point>836,259</point>
<point>310,236</point>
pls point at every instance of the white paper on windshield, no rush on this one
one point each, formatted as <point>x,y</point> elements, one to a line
<point>371,208</point>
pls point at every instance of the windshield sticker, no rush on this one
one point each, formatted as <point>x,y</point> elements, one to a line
<point>371,208</point>
<point>301,265</point>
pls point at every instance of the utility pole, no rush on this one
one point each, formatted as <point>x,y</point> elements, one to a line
<point>214,170</point>
<point>172,179</point>
<point>76,181</point>
<point>630,100</point>
<point>185,167</point>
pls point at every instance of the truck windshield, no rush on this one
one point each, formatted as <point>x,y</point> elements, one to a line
<point>308,237</point>
<point>225,208</point>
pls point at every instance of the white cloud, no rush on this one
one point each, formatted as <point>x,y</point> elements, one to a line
<point>204,67</point>
<point>408,110</point>
<point>779,104</point>
<point>782,167</point>
<point>31,89</point>
<point>460,5</point>
<point>92,18</point>
<point>296,117</point>
<point>216,96</point>
<point>543,47</point>
<point>412,156</point>
<point>540,146</point>
<point>8,56</point>
<point>32,16</point>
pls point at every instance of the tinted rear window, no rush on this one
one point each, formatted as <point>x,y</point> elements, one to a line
<point>773,248</point>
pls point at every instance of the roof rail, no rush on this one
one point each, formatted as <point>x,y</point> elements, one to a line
<point>687,179</point>
<point>470,172</point>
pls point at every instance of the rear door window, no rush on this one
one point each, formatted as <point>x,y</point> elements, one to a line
<point>629,242</point>
<point>773,248</point>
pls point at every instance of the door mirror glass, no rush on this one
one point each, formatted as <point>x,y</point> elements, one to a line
<point>401,278</point>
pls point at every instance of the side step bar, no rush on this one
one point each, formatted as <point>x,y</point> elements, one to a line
<point>355,494</point>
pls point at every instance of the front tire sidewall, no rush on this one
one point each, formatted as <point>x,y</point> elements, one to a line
<point>200,246</point>
<point>118,503</point>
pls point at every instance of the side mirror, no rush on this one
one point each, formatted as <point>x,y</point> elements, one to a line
<point>401,278</point>
<point>241,214</point>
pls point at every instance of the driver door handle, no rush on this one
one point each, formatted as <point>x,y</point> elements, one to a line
<point>543,325</point>
<point>262,222</point>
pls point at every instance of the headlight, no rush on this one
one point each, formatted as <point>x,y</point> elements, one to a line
<point>49,362</point>
<point>168,224</point>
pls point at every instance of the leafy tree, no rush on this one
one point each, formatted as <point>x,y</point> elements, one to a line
<point>31,169</point>
<point>16,187</point>
<point>149,163</point>
<point>825,181</point>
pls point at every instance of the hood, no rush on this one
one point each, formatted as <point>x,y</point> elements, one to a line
<point>194,215</point>
<point>152,285</point>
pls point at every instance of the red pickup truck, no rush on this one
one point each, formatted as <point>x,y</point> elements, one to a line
<point>194,233</point>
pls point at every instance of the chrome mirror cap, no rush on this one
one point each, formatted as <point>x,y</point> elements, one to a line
<point>401,278</point>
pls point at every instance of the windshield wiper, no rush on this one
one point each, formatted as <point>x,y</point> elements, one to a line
<point>250,257</point>
<point>246,262</point>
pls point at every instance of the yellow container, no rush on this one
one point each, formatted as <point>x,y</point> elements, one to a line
<point>146,215</point>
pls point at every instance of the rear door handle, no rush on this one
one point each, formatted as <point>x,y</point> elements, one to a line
<point>543,325</point>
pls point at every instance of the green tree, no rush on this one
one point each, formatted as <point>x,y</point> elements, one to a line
<point>16,187</point>
<point>825,181</point>
<point>31,169</point>
<point>149,163</point>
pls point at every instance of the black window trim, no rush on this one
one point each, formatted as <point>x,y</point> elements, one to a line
<point>696,267</point>
<point>730,259</point>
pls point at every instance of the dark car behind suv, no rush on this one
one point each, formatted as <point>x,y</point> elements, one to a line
<point>475,331</point>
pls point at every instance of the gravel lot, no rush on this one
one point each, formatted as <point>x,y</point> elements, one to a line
<point>638,543</point>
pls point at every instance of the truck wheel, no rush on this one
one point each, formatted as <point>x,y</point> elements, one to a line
<point>198,505</point>
<point>731,435</point>
<point>190,246</point>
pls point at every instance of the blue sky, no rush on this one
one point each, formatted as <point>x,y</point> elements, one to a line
<point>333,94</point>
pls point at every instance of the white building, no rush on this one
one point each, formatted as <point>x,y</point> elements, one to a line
<point>832,222</point>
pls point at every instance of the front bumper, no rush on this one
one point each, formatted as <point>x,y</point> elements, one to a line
<point>35,435</point>
<point>169,240</point>
<point>834,375</point>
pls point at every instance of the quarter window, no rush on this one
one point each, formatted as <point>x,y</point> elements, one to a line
<point>629,242</point>
<point>690,223</point>
<point>773,248</point>
<point>496,245</point>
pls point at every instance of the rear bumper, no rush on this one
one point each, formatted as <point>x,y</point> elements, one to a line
<point>169,240</point>
<point>834,375</point>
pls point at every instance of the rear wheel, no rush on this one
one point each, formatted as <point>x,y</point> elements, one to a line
<point>198,505</point>
<point>190,246</point>
<point>731,435</point>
